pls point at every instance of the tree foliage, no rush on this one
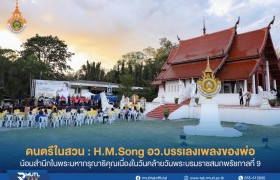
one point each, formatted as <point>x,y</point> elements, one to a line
<point>91,72</point>
<point>50,50</point>
<point>144,65</point>
<point>126,84</point>
<point>46,57</point>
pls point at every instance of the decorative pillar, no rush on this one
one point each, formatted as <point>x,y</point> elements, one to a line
<point>274,84</point>
<point>254,84</point>
<point>235,88</point>
<point>245,86</point>
<point>267,77</point>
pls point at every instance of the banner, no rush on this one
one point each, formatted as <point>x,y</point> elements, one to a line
<point>51,88</point>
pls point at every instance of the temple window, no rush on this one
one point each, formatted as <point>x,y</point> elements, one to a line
<point>230,87</point>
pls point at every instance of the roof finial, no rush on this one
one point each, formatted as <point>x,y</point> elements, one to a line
<point>17,4</point>
<point>208,68</point>
<point>237,22</point>
<point>271,22</point>
<point>178,38</point>
<point>204,27</point>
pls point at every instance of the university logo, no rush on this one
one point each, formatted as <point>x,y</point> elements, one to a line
<point>208,86</point>
<point>16,23</point>
<point>28,176</point>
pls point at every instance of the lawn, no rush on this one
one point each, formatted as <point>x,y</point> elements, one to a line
<point>142,134</point>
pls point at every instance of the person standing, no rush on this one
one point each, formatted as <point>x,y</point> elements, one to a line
<point>57,99</point>
<point>68,99</point>
<point>248,98</point>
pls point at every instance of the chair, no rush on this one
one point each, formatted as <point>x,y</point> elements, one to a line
<point>74,115</point>
<point>60,120</point>
<point>90,119</point>
<point>79,119</point>
<point>9,120</point>
<point>140,116</point>
<point>46,121</point>
<point>112,117</point>
<point>41,122</point>
<point>55,121</point>
<point>100,117</point>
<point>129,116</point>
<point>20,121</point>
<point>122,115</point>
<point>30,120</point>
<point>67,119</point>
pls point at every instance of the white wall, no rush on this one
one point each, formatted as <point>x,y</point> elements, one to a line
<point>173,91</point>
<point>233,99</point>
<point>253,115</point>
<point>150,106</point>
<point>180,113</point>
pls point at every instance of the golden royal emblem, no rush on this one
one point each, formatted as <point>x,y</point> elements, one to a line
<point>208,86</point>
<point>16,23</point>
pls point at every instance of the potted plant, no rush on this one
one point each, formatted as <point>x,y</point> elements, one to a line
<point>166,113</point>
<point>272,102</point>
<point>176,100</point>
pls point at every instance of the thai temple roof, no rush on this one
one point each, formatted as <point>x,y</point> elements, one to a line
<point>209,45</point>
<point>232,56</point>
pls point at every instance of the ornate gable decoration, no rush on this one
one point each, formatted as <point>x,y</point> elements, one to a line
<point>208,86</point>
<point>16,23</point>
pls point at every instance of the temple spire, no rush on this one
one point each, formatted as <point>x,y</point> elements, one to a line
<point>204,27</point>
<point>237,22</point>
<point>178,38</point>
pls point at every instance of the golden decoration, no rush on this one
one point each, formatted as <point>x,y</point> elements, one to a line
<point>17,23</point>
<point>208,86</point>
<point>134,98</point>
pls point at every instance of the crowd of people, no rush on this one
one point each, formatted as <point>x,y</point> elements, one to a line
<point>53,117</point>
<point>69,100</point>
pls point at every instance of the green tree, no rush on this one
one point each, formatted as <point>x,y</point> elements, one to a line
<point>50,50</point>
<point>91,72</point>
<point>5,65</point>
<point>126,84</point>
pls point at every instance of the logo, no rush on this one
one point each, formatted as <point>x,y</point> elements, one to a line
<point>240,178</point>
<point>186,177</point>
<point>28,176</point>
<point>137,178</point>
<point>16,23</point>
<point>208,86</point>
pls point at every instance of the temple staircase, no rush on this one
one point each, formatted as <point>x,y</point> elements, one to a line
<point>157,113</point>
